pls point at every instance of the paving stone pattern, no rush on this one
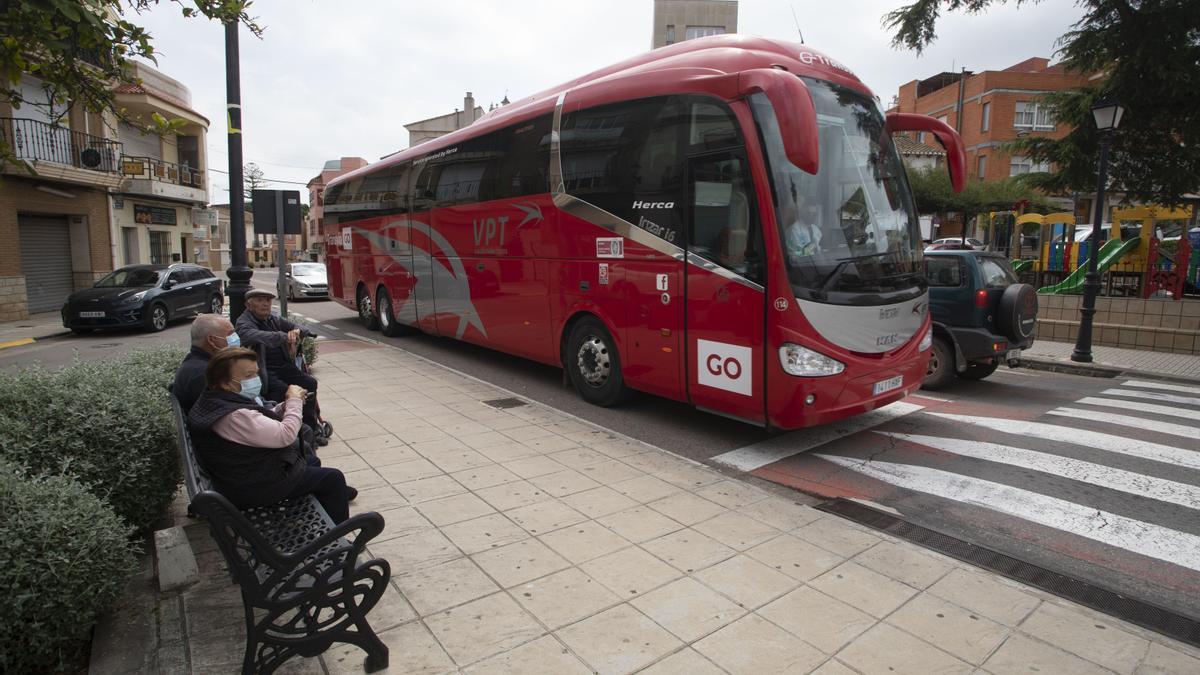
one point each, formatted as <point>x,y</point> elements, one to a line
<point>1137,360</point>
<point>526,541</point>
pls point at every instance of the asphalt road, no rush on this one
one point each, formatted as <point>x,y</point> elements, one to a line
<point>1096,479</point>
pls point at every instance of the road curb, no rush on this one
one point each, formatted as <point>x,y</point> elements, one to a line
<point>1098,370</point>
<point>21,342</point>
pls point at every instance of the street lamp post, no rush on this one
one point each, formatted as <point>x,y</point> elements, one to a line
<point>1107,113</point>
<point>239,272</point>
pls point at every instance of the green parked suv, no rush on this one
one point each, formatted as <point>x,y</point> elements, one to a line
<point>982,316</point>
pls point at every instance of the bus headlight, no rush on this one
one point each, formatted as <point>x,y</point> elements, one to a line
<point>804,362</point>
<point>927,340</point>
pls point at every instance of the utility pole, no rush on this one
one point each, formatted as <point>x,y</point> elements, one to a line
<point>239,272</point>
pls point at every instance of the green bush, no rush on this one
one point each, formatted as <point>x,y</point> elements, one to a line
<point>108,424</point>
<point>308,347</point>
<point>65,558</point>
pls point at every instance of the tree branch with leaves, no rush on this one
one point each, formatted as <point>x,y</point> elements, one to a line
<point>80,50</point>
<point>1147,55</point>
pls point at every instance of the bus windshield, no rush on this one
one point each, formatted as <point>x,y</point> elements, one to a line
<point>850,233</point>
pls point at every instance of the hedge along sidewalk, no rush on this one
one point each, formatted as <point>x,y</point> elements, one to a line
<point>526,540</point>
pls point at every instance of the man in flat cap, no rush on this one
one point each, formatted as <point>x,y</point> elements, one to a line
<point>278,341</point>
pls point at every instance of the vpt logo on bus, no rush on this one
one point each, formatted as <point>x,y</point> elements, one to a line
<point>725,366</point>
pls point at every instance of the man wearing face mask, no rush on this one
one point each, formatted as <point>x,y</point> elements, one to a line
<point>278,340</point>
<point>210,334</point>
<point>251,451</point>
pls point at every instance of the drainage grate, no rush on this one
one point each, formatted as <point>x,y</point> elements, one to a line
<point>506,403</point>
<point>1114,604</point>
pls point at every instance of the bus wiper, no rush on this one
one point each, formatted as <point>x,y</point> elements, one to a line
<point>837,271</point>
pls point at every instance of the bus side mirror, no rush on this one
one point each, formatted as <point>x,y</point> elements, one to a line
<point>794,111</point>
<point>956,157</point>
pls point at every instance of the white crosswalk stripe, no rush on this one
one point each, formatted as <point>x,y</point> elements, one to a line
<point>1025,482</point>
<point>1153,396</point>
<point>1141,407</point>
<point>761,454</point>
<point>1086,472</point>
<point>1108,442</point>
<point>1129,421</point>
<point>1162,386</point>
<point>1141,537</point>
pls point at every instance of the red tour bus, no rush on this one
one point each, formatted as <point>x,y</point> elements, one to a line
<point>724,221</point>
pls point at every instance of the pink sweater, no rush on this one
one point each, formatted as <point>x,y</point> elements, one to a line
<point>250,427</point>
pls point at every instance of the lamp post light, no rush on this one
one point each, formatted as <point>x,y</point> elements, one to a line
<point>1107,113</point>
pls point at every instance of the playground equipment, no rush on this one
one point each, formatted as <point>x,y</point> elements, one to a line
<point>1169,265</point>
<point>1133,250</point>
<point>1112,251</point>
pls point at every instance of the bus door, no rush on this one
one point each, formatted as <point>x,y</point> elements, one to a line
<point>725,301</point>
<point>421,234</point>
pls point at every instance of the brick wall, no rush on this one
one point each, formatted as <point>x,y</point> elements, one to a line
<point>1152,325</point>
<point>989,87</point>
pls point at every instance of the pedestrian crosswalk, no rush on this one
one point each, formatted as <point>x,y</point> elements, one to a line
<point>1108,528</point>
<point>1119,467</point>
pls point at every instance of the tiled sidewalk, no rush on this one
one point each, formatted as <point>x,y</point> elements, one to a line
<point>525,541</point>
<point>1127,361</point>
<point>36,327</point>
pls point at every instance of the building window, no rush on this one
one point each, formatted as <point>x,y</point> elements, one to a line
<point>920,136</point>
<point>987,117</point>
<point>981,167</point>
<point>1022,165</point>
<point>670,34</point>
<point>694,32</point>
<point>1036,116</point>
<point>160,248</point>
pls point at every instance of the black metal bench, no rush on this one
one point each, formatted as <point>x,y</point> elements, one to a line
<point>302,586</point>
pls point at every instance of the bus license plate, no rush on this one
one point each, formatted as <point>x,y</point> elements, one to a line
<point>91,315</point>
<point>887,385</point>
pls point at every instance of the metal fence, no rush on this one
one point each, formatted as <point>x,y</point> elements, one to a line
<point>35,140</point>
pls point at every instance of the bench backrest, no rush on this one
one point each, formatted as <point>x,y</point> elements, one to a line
<point>195,477</point>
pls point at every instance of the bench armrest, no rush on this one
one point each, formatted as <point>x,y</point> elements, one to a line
<point>368,525</point>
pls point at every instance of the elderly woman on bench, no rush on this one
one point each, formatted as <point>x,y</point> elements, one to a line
<point>251,451</point>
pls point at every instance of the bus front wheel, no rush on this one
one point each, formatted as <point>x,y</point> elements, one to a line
<point>594,365</point>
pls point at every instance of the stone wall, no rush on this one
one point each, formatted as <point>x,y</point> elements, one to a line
<point>13,299</point>
<point>1154,325</point>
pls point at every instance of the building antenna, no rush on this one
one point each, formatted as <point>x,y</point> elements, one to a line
<point>797,24</point>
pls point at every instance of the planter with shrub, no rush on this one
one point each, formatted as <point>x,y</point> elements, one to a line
<point>65,558</point>
<point>107,424</point>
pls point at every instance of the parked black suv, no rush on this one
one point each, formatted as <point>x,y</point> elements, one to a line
<point>982,316</point>
<point>147,295</point>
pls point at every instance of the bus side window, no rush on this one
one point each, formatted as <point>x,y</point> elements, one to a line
<point>423,187</point>
<point>522,169</point>
<point>626,158</point>
<point>723,227</point>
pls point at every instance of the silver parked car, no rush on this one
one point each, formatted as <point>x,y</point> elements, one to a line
<point>306,280</point>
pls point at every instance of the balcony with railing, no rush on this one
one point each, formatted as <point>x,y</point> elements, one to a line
<point>154,177</point>
<point>36,142</point>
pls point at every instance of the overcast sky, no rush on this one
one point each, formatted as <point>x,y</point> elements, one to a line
<point>333,78</point>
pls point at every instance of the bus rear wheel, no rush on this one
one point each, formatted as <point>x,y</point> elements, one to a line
<point>387,316</point>
<point>593,364</point>
<point>366,316</point>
